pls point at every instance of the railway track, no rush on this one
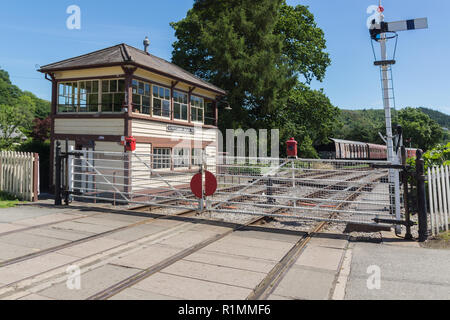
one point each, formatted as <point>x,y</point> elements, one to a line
<point>186,212</point>
<point>270,280</point>
<point>269,283</point>
<point>111,291</point>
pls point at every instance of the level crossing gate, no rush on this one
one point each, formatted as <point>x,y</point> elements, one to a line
<point>340,191</point>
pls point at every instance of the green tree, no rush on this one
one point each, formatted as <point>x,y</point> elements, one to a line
<point>14,119</point>
<point>11,95</point>
<point>424,132</point>
<point>308,116</point>
<point>303,42</point>
<point>255,50</point>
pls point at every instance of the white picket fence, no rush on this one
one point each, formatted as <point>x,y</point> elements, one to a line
<point>439,197</point>
<point>19,174</point>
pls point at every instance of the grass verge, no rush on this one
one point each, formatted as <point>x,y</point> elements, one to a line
<point>442,241</point>
<point>7,200</point>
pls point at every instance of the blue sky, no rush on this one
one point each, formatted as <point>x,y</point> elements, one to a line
<point>34,33</point>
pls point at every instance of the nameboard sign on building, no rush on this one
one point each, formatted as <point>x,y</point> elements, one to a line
<point>172,128</point>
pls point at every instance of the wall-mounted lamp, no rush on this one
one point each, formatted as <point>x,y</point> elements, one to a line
<point>222,100</point>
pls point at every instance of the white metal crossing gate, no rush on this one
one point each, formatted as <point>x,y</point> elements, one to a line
<point>130,178</point>
<point>356,192</point>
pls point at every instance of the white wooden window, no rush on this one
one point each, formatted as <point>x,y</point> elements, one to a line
<point>141,97</point>
<point>197,109</point>
<point>113,95</point>
<point>161,102</point>
<point>180,105</point>
<point>89,99</point>
<point>161,158</point>
<point>197,156</point>
<point>181,157</point>
<point>68,97</point>
<point>78,96</point>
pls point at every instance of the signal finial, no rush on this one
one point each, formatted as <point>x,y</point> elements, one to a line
<point>380,7</point>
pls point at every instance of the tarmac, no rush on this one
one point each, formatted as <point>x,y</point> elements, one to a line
<point>406,271</point>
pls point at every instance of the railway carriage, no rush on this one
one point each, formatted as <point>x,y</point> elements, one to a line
<point>355,150</point>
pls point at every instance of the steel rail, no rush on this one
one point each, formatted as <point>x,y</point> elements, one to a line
<point>269,283</point>
<point>139,276</point>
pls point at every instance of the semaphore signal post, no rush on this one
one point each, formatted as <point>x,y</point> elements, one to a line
<point>381,32</point>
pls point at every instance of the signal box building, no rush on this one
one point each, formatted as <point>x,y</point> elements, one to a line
<point>103,97</point>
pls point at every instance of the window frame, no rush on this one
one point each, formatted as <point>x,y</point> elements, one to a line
<point>162,99</point>
<point>113,93</point>
<point>76,107</point>
<point>141,97</point>
<point>196,159</point>
<point>185,158</point>
<point>181,105</point>
<point>196,108</point>
<point>158,163</point>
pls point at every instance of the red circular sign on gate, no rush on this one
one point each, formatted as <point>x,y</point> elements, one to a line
<point>210,184</point>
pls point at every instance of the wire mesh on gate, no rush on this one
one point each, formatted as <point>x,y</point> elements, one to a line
<point>323,190</point>
<point>132,178</point>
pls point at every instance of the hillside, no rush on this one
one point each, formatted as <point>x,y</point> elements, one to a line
<point>10,94</point>
<point>441,118</point>
<point>364,125</point>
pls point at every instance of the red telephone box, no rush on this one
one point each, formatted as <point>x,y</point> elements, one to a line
<point>130,144</point>
<point>291,148</point>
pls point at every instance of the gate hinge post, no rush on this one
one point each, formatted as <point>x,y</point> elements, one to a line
<point>421,197</point>
<point>58,159</point>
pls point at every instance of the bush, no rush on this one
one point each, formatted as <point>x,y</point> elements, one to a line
<point>7,200</point>
<point>438,156</point>
<point>43,149</point>
<point>434,157</point>
<point>306,149</point>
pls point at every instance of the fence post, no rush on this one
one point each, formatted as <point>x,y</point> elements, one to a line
<point>421,197</point>
<point>430,201</point>
<point>293,173</point>
<point>58,200</point>
<point>408,235</point>
<point>35,177</point>
<point>66,176</point>
<point>445,195</point>
<point>447,187</point>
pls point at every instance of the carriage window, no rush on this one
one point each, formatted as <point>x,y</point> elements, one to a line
<point>161,158</point>
<point>161,102</point>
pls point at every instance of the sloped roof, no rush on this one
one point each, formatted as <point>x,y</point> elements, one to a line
<point>124,54</point>
<point>348,141</point>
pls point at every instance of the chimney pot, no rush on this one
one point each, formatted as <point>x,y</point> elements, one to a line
<point>146,44</point>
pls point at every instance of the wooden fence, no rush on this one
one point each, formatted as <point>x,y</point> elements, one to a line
<point>439,198</point>
<point>19,174</point>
